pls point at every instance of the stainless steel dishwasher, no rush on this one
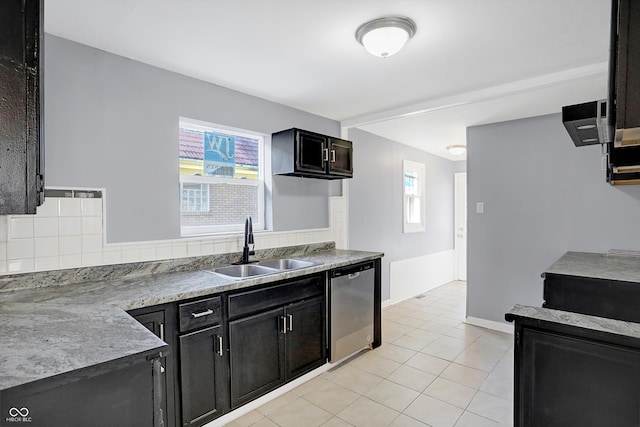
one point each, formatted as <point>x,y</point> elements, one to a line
<point>351,303</point>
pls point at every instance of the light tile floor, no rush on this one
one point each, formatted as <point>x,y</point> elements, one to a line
<point>432,370</point>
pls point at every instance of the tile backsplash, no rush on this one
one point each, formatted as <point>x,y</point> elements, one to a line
<point>68,232</point>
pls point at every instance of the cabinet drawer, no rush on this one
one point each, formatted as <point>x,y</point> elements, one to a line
<point>262,299</point>
<point>197,314</point>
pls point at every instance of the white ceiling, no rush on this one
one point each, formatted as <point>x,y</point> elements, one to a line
<point>470,61</point>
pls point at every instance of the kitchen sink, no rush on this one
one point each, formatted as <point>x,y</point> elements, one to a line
<point>285,264</point>
<point>272,266</point>
<point>244,270</point>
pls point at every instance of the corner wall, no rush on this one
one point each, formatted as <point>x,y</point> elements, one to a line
<point>413,262</point>
<point>542,197</point>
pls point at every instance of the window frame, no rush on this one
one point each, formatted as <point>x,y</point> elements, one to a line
<point>420,170</point>
<point>259,182</point>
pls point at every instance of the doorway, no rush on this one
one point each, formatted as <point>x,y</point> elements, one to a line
<point>460,226</point>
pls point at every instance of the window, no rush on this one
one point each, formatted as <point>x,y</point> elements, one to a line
<point>414,201</point>
<point>221,178</point>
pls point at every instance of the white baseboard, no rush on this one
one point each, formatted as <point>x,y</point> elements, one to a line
<point>413,276</point>
<point>490,324</point>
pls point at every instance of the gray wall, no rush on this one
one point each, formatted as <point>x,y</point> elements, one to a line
<point>111,122</point>
<point>375,201</point>
<point>543,197</point>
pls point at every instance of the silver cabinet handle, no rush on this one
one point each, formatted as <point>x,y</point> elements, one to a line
<point>161,369</point>
<point>202,313</point>
<point>333,156</point>
<point>325,156</point>
<point>220,345</point>
<point>284,324</point>
<point>290,322</point>
<point>162,331</point>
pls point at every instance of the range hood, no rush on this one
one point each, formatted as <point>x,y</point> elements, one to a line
<point>615,123</point>
<point>587,123</point>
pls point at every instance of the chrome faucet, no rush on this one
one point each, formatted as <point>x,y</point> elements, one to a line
<point>248,240</point>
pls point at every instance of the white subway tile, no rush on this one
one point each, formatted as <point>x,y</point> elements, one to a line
<point>68,206</point>
<point>19,249</point>
<point>20,265</point>
<point>220,246</point>
<point>45,227</point>
<point>208,248</point>
<point>46,247</point>
<point>70,245</point>
<point>70,226</point>
<point>179,249</point>
<point>130,253</point>
<point>49,208</point>
<point>91,225</point>
<point>91,207</point>
<point>147,252</point>
<point>3,251</point>
<point>3,266</point>
<point>91,243</point>
<point>70,261</point>
<point>194,248</point>
<point>112,256</point>
<point>47,263</point>
<point>4,228</point>
<point>89,259</point>
<point>20,227</point>
<point>164,252</point>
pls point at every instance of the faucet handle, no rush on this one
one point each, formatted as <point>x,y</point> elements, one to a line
<point>250,234</point>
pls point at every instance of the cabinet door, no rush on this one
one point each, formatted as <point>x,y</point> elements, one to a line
<point>340,157</point>
<point>305,337</point>
<point>204,376</point>
<point>21,35</point>
<point>155,322</point>
<point>256,350</point>
<point>311,152</point>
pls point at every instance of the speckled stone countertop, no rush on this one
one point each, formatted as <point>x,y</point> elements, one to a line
<point>594,323</point>
<point>599,266</point>
<point>50,330</point>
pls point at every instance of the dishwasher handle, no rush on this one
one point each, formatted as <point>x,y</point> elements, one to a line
<point>352,271</point>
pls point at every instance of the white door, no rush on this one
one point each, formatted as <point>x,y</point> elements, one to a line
<point>460,242</point>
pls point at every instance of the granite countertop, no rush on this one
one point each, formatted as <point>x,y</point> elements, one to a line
<point>599,266</point>
<point>46,329</point>
<point>594,323</point>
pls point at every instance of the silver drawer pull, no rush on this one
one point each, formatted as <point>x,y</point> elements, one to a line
<point>220,346</point>
<point>202,313</point>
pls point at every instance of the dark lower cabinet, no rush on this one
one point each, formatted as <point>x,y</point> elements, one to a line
<point>121,394</point>
<point>573,376</point>
<point>160,321</point>
<point>204,383</point>
<point>304,344</point>
<point>257,355</point>
<point>277,334</point>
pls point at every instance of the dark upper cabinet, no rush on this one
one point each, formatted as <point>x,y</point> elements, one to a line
<point>303,153</point>
<point>21,88</point>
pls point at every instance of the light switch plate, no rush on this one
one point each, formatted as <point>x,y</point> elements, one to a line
<point>480,207</point>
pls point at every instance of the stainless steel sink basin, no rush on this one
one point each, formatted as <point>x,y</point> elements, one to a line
<point>244,270</point>
<point>285,264</point>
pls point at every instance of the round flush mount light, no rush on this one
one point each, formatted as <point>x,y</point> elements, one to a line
<point>456,150</point>
<point>384,37</point>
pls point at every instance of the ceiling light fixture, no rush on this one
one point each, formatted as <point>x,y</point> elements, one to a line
<point>456,150</point>
<point>384,37</point>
